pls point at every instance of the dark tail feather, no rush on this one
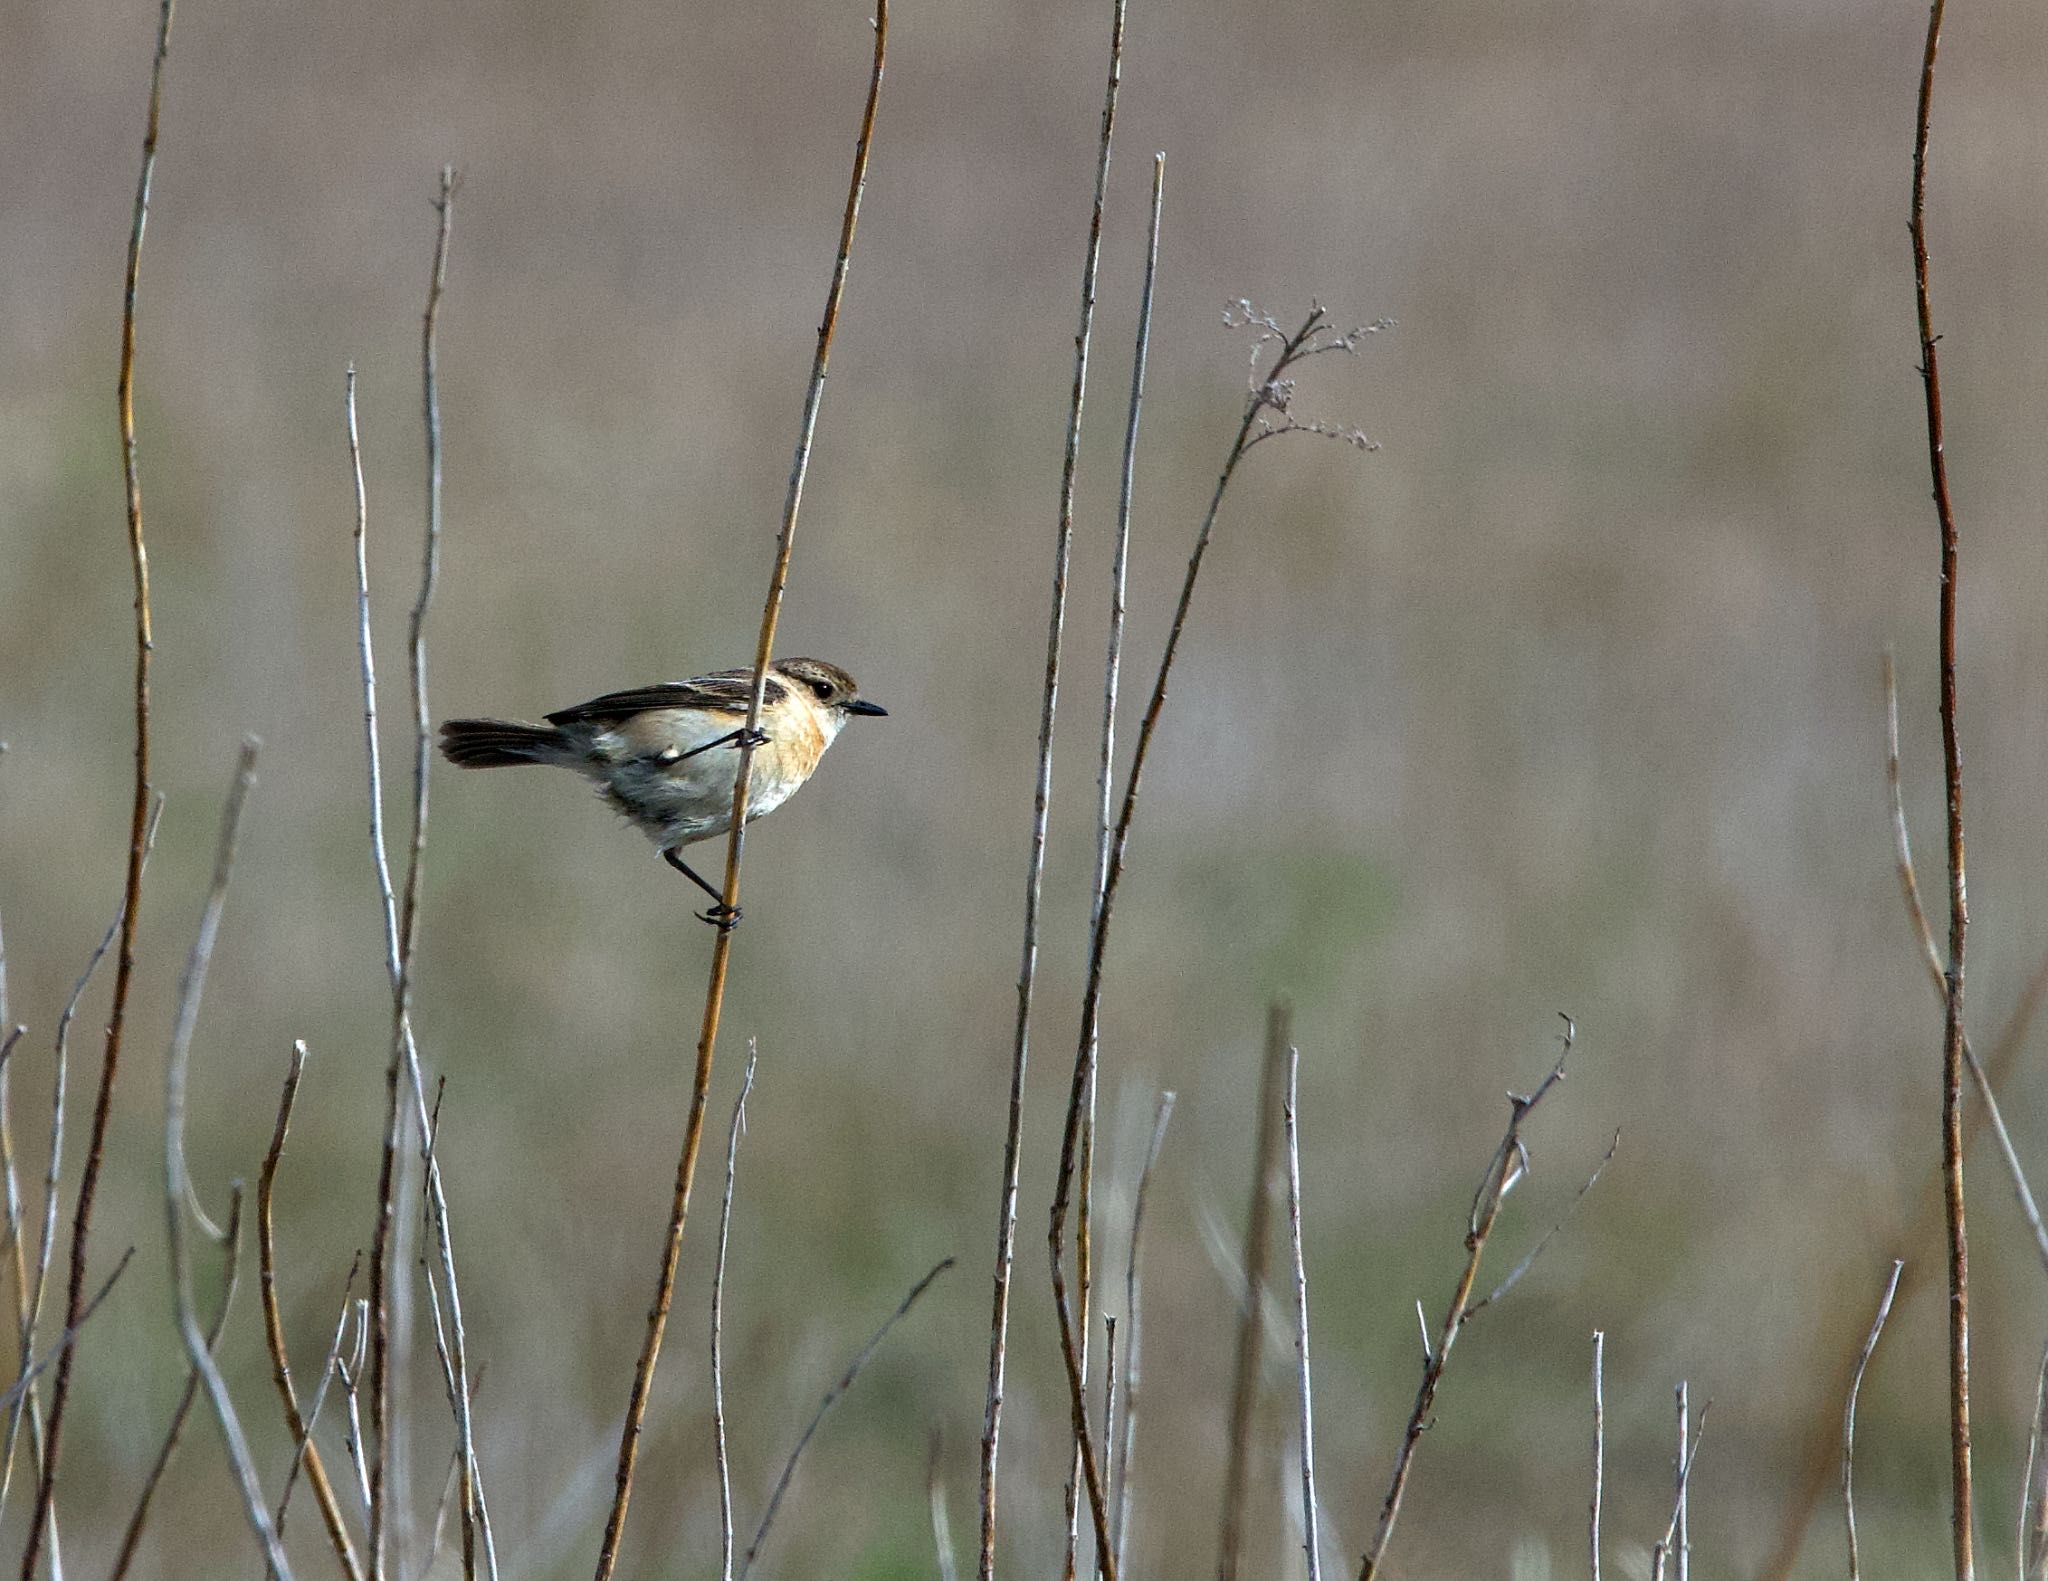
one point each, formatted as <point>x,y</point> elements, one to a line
<point>494,743</point>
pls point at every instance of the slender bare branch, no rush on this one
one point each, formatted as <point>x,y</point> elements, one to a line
<point>1599,1447</point>
<point>138,822</point>
<point>1884,1310</point>
<point>721,952</point>
<point>177,1184</point>
<point>1310,1520</point>
<point>1034,876</point>
<point>845,1382</point>
<point>303,1452</point>
<point>1529,1258</point>
<point>1661,1554</point>
<point>350,1372</point>
<point>1133,1327</point>
<point>732,1156</point>
<point>70,1336</point>
<point>1510,1162</point>
<point>2033,1538</point>
<point>1244,1392</point>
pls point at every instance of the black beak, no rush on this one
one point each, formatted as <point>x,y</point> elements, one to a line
<point>861,705</point>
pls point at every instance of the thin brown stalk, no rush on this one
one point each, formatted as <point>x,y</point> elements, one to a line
<point>1310,1518</point>
<point>1034,877</point>
<point>721,951</point>
<point>1961,1512</point>
<point>732,1158</point>
<point>303,1452</point>
<point>1661,1555</point>
<point>138,1520</point>
<point>138,821</point>
<point>1133,1329</point>
<point>1504,1171</point>
<point>273,1331</point>
<point>832,1396</point>
<point>1884,1310</point>
<point>1244,1391</point>
<point>177,1184</point>
<point>1268,394</point>
<point>1599,1448</point>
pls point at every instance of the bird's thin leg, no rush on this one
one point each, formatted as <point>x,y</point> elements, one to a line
<point>732,738</point>
<point>721,917</point>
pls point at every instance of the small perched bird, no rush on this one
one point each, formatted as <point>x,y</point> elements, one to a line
<point>667,756</point>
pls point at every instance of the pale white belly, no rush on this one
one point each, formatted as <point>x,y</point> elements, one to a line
<point>678,803</point>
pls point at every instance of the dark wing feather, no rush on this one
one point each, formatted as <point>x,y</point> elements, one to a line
<point>723,692</point>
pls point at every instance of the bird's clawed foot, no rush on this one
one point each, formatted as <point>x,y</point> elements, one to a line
<point>750,738</point>
<point>721,916</point>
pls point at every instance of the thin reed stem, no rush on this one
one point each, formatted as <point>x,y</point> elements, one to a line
<point>1884,1310</point>
<point>721,951</point>
<point>1599,1448</point>
<point>732,1157</point>
<point>1133,1330</point>
<point>1310,1517</point>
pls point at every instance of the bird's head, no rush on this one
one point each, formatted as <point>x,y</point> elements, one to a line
<point>828,689</point>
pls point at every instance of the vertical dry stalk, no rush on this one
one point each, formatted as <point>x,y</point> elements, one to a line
<point>1884,1310</point>
<point>1599,1446</point>
<point>1244,1392</point>
<point>732,1158</point>
<point>721,952</point>
<point>178,1186</point>
<point>1682,1523</point>
<point>138,822</point>
<point>1309,1516</point>
<point>1121,1483</point>
<point>1509,1163</point>
<point>1661,1554</point>
<point>2033,1538</point>
<point>1034,877</point>
<point>1961,1522</point>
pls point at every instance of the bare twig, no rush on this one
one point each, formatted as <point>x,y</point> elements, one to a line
<point>303,1452</point>
<point>1244,1392</point>
<point>301,1427</point>
<point>721,951</point>
<point>1509,1163</point>
<point>1661,1555</point>
<point>1884,1310</point>
<point>1599,1447</point>
<point>1684,1539</point>
<point>138,821</point>
<point>732,1155</point>
<point>2033,1540</point>
<point>69,1337</point>
<point>1034,877</point>
<point>177,1186</point>
<point>231,1244</point>
<point>350,1373</point>
<point>1309,1517</point>
<point>1121,1484</point>
<point>845,1382</point>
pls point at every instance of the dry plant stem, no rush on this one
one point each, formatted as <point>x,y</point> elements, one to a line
<point>302,1446</point>
<point>138,822</point>
<point>721,951</point>
<point>177,1186</point>
<point>273,1331</point>
<point>1265,393</point>
<point>1599,1447</point>
<point>1909,884</point>
<point>845,1382</point>
<point>2033,1536</point>
<point>1133,1329</point>
<point>1034,877</point>
<point>350,1373</point>
<point>231,1243</point>
<point>1244,1392</point>
<point>1884,1310</point>
<point>1506,1168</point>
<point>1309,1518</point>
<point>24,1392</point>
<point>70,1336</point>
<point>1682,1520</point>
<point>1661,1555</point>
<point>732,1157</point>
<point>1960,1513</point>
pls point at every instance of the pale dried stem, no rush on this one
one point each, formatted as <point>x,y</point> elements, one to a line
<point>832,1395</point>
<point>1133,1331</point>
<point>1661,1555</point>
<point>303,1451</point>
<point>1310,1517</point>
<point>721,951</point>
<point>2033,1539</point>
<point>1884,1310</point>
<point>732,1156</point>
<point>1599,1448</point>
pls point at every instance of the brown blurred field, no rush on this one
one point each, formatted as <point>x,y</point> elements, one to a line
<point>1565,699</point>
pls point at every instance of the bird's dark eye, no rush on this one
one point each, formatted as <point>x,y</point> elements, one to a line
<point>823,689</point>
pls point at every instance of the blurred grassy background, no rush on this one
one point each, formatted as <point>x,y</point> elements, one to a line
<point>1565,699</point>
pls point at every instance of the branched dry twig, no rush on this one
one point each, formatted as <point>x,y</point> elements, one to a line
<point>350,1372</point>
<point>732,1157</point>
<point>1661,1555</point>
<point>1310,1518</point>
<point>1884,1310</point>
<point>1504,1171</point>
<point>721,952</point>
<point>178,1186</point>
<point>1244,1392</point>
<point>138,823</point>
<point>845,1382</point>
<point>1960,1514</point>
<point>1034,878</point>
<point>302,1447</point>
<point>301,1427</point>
